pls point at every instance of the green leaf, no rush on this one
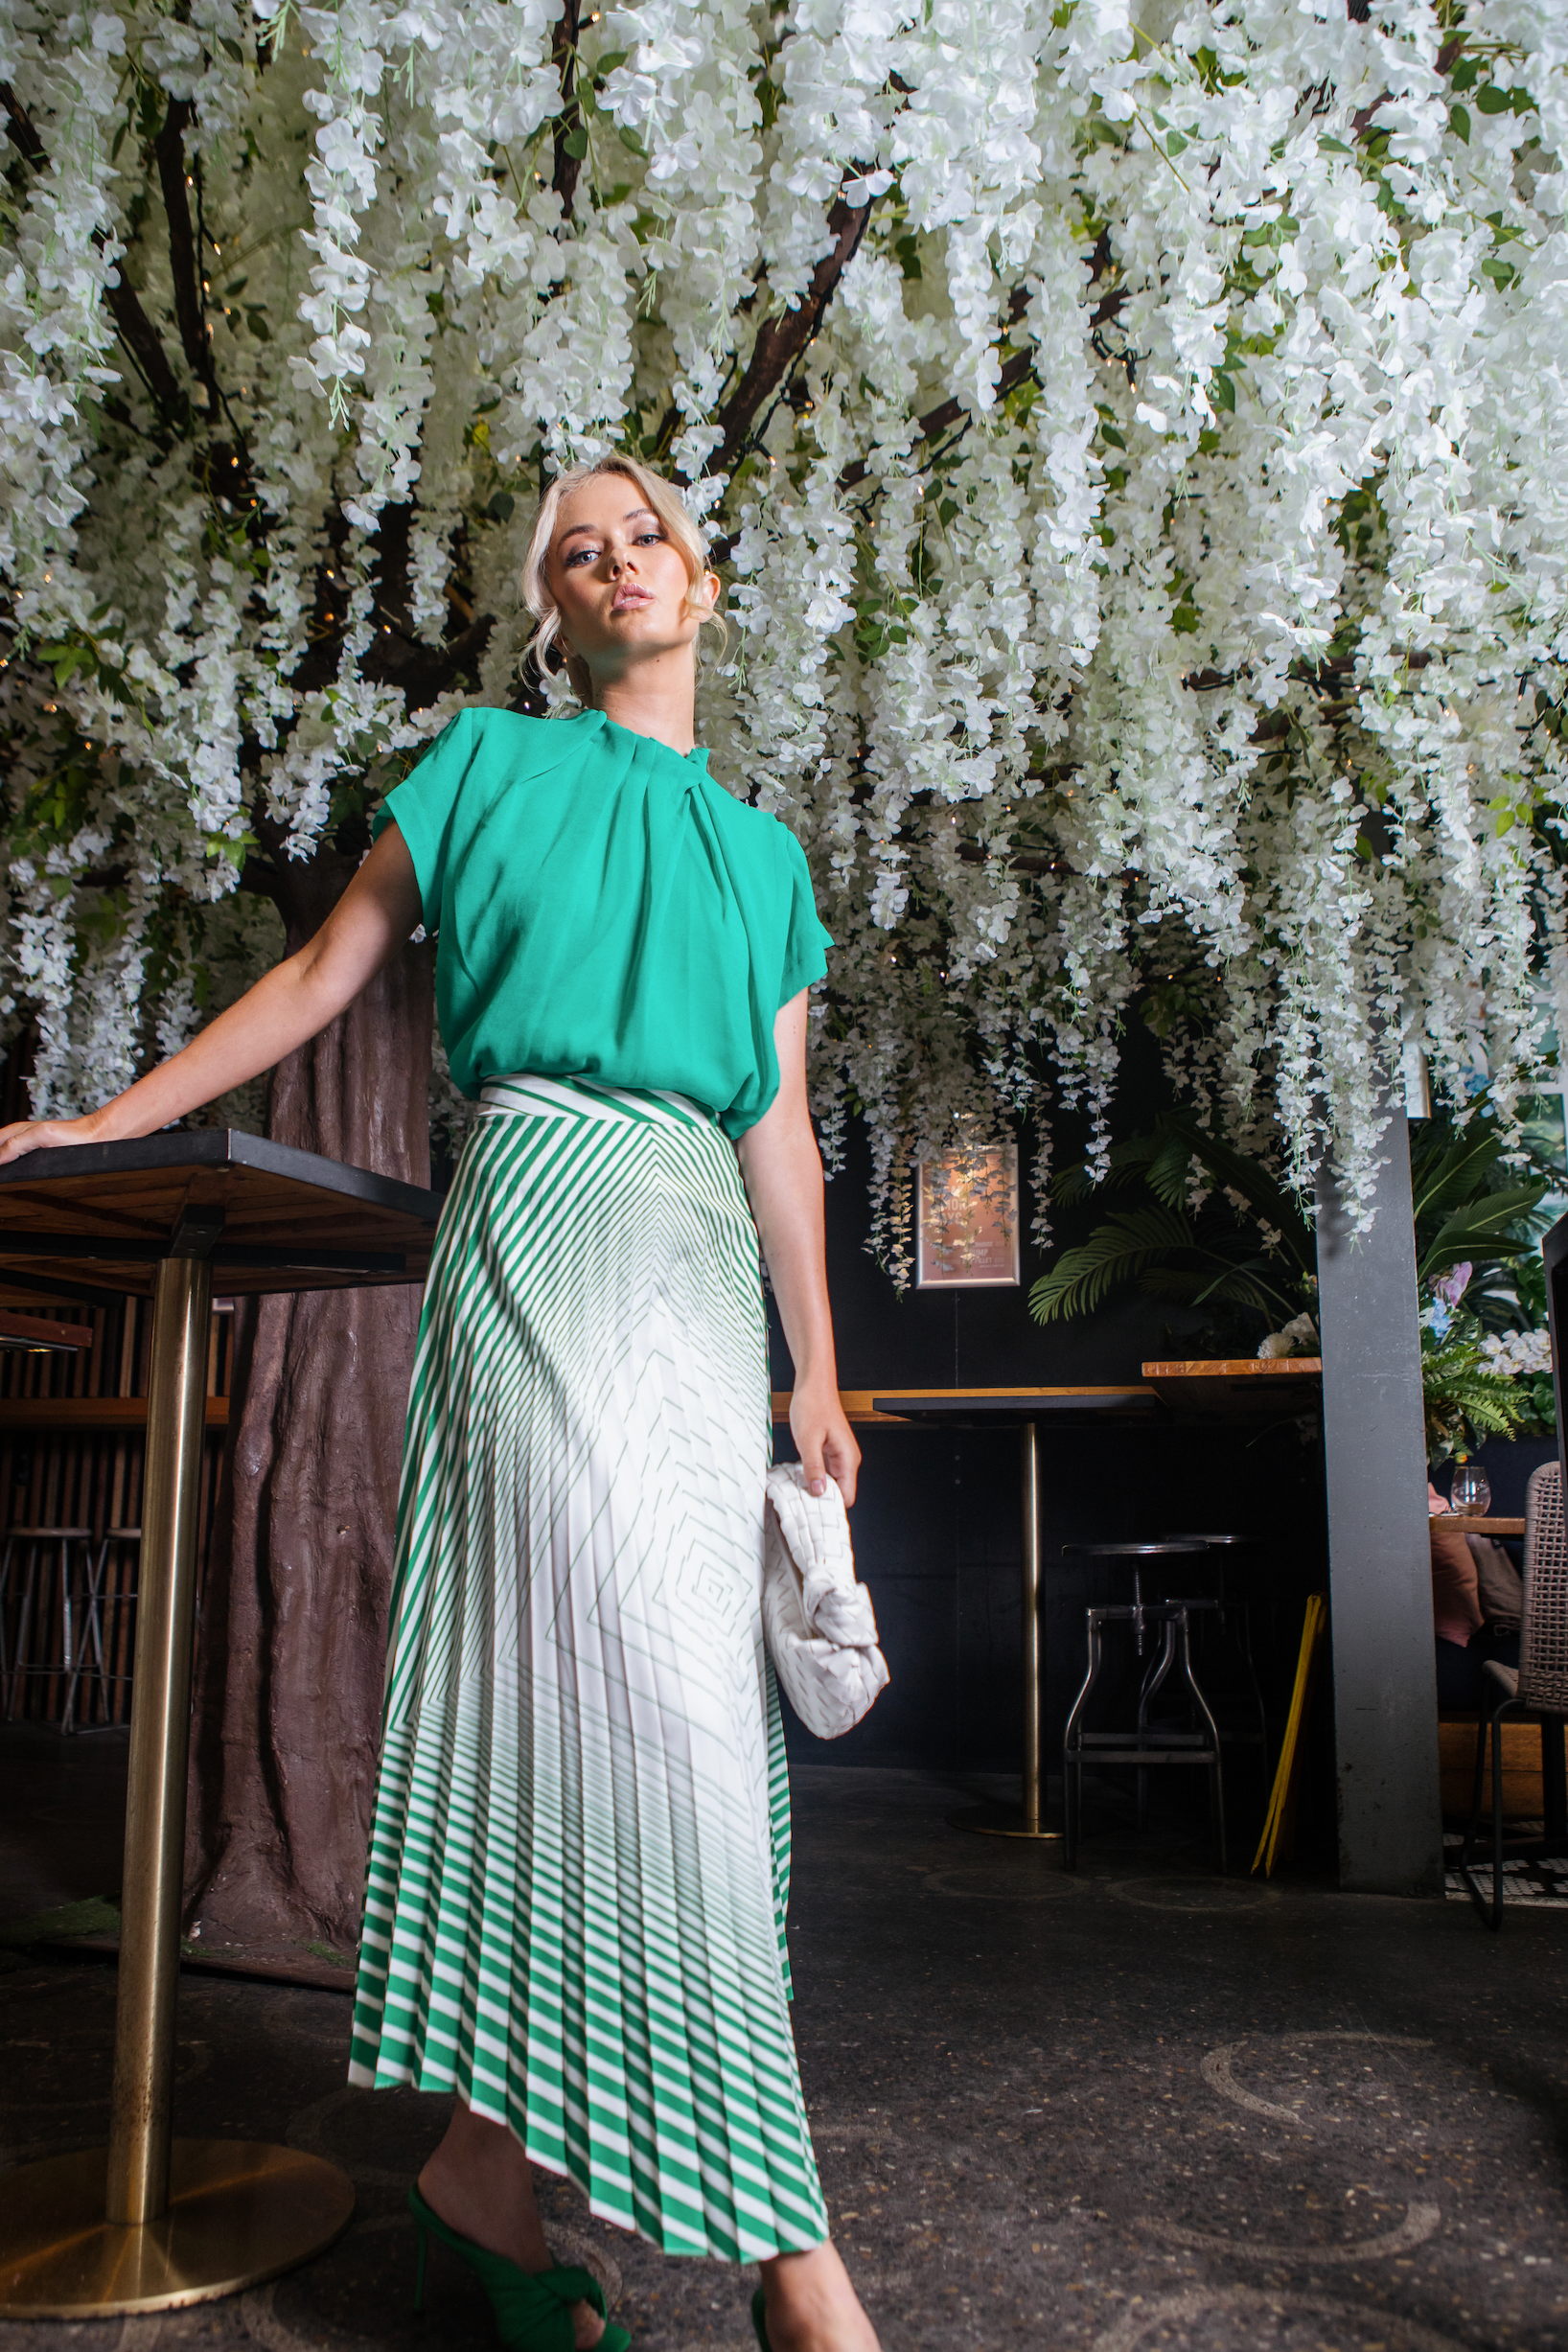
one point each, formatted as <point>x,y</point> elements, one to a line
<point>1465,74</point>
<point>1458,123</point>
<point>576,141</point>
<point>499,509</point>
<point>1479,1230</point>
<point>1491,99</point>
<point>1114,1255</point>
<point>1222,392</point>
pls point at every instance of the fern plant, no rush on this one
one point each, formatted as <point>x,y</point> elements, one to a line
<point>1465,1402</point>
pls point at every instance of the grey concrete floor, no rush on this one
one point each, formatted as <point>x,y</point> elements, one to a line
<point>1143,2107</point>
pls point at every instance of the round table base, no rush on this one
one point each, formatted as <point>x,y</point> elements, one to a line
<point>1004,1821</point>
<point>239,2212</point>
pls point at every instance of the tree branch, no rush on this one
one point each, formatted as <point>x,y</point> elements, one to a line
<point>564,57</point>
<point>184,260</point>
<point>131,323</point>
<point>780,341</point>
<point>943,420</point>
<point>424,673</point>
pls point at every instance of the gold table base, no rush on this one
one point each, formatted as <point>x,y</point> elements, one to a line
<point>239,2212</point>
<point>1004,1821</point>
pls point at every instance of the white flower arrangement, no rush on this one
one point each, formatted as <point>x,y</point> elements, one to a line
<point>1512,1353</point>
<point>1149,554</point>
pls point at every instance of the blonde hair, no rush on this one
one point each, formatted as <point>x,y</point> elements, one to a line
<point>661,498</point>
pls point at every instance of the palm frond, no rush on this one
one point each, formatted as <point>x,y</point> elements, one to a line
<point>1269,1200</point>
<point>1445,1169</point>
<point>1201,1286</point>
<point>1116,1252</point>
<point>1479,1230</point>
<point>1169,1170</point>
<point>1123,1162</point>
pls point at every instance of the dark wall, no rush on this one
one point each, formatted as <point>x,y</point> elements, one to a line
<point>936,1525</point>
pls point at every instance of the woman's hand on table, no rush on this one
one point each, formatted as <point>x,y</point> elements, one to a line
<point>824,1440</point>
<point>288,1006</point>
<point>27,1135</point>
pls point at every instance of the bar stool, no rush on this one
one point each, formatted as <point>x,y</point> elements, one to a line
<point>1234,1621</point>
<point>16,1662</point>
<point>1144,1744</point>
<point>92,1624</point>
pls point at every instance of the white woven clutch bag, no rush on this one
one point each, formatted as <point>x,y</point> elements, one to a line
<point>821,1631</point>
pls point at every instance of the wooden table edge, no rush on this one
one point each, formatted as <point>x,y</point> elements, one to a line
<point>859,1410</point>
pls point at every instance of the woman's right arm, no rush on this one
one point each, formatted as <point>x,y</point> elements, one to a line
<point>370,923</point>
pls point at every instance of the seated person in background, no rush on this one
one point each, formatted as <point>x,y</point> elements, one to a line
<point>1476,1603</point>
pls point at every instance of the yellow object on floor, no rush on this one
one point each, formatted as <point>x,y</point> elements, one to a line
<point>1278,1825</point>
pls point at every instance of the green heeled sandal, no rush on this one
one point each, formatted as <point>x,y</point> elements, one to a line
<point>531,2307</point>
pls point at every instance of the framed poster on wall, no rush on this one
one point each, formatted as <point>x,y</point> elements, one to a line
<point>966,1220</point>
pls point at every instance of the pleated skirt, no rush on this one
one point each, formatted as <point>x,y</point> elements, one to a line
<point>579,1857</point>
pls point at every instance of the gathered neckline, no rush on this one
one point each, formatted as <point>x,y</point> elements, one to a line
<point>697,751</point>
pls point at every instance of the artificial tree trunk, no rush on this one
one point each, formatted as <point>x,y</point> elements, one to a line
<point>292,1638</point>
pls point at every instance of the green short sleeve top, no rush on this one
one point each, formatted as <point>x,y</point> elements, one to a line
<point>605,909</point>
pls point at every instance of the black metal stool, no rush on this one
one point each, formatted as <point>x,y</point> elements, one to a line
<point>1235,1622</point>
<point>95,1599</point>
<point>1145,1743</point>
<point>18,1659</point>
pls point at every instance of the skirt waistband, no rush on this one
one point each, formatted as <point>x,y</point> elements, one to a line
<point>523,1094</point>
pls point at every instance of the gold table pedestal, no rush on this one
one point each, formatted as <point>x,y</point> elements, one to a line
<point>239,2212</point>
<point>149,2221</point>
<point>1026,1409</point>
<point>1005,1821</point>
<point>1026,1819</point>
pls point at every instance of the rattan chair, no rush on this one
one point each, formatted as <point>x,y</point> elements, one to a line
<point>1536,1690</point>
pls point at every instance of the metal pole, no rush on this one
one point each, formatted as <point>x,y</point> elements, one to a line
<point>160,1731</point>
<point>1030,1623</point>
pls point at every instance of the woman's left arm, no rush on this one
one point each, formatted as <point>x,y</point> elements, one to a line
<point>782,1170</point>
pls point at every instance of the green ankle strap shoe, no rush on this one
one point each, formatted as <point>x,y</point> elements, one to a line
<point>532,2308</point>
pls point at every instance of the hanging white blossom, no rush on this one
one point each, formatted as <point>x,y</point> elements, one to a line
<point>1136,438</point>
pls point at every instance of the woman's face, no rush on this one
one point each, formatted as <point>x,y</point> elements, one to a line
<point>621,586</point>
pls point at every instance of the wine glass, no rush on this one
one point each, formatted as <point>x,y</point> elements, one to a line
<point>1471,1494</point>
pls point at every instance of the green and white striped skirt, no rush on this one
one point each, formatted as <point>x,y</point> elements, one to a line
<point>579,1858</point>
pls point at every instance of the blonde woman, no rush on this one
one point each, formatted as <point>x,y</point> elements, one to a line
<point>580,1850</point>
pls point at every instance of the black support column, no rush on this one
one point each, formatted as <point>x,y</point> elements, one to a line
<point>1379,1559</point>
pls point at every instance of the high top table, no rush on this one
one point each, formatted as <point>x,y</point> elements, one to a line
<point>1027,1410</point>
<point>1185,1391</point>
<point>150,2222</point>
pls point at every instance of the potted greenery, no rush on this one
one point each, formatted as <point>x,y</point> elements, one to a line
<point>1217,1229</point>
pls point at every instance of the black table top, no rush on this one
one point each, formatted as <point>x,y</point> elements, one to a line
<point>987,1407</point>
<point>1168,1549</point>
<point>270,1217</point>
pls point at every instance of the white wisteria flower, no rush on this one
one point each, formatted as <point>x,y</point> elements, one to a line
<point>1136,441</point>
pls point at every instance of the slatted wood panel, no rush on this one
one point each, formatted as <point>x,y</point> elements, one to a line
<point>75,1477</point>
